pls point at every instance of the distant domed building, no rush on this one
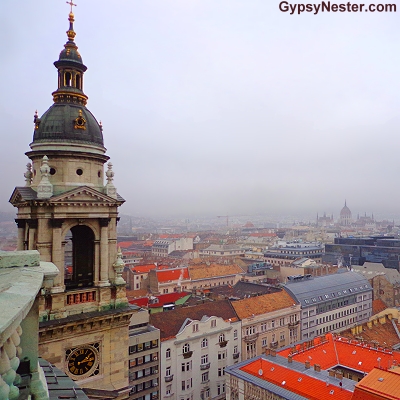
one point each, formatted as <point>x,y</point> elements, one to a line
<point>345,215</point>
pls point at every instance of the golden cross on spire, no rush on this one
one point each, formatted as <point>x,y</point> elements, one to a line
<point>71,4</point>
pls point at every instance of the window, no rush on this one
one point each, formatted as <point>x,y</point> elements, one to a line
<point>168,390</point>
<point>204,377</point>
<point>168,371</point>
<point>186,366</point>
<point>264,342</point>
<point>195,327</point>
<point>281,321</point>
<point>204,359</point>
<point>263,327</point>
<point>282,336</point>
<point>235,334</point>
<point>132,349</point>
<point>204,343</point>
<point>222,355</point>
<point>221,371</point>
<point>186,348</point>
<point>273,323</point>
<point>213,323</point>
<point>168,353</point>
<point>235,349</point>
<point>220,388</point>
<point>221,338</point>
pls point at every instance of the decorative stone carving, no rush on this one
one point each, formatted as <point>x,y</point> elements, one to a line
<point>28,175</point>
<point>118,268</point>
<point>110,188</point>
<point>45,188</point>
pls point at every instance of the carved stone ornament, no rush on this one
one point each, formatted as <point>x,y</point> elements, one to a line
<point>28,175</point>
<point>45,188</point>
<point>110,188</point>
<point>119,268</point>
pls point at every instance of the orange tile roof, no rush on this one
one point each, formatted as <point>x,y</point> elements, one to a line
<point>295,381</point>
<point>172,274</point>
<point>377,306</point>
<point>262,304</point>
<point>342,351</point>
<point>125,245</point>
<point>204,271</point>
<point>379,384</point>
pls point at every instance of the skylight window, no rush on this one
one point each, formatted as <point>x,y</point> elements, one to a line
<point>283,382</point>
<point>354,352</point>
<point>300,379</point>
<point>331,392</point>
<point>360,363</point>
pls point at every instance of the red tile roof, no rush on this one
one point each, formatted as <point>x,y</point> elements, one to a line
<point>341,351</point>
<point>124,245</point>
<point>172,274</point>
<point>168,298</point>
<point>295,381</point>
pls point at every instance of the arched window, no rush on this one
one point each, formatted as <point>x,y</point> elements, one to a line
<point>186,348</point>
<point>78,81</point>
<point>79,257</point>
<point>221,338</point>
<point>204,343</point>
<point>67,79</point>
<point>168,353</point>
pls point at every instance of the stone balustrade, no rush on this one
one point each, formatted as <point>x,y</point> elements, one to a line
<point>22,276</point>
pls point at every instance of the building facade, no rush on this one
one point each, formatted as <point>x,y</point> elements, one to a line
<point>144,356</point>
<point>197,344</point>
<point>331,303</point>
<point>268,321</point>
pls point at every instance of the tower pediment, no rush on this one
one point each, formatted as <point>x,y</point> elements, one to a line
<point>80,195</point>
<point>84,195</point>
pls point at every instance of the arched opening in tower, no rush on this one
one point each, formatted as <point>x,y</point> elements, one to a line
<point>79,257</point>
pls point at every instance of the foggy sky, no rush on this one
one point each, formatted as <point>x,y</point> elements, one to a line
<point>217,107</point>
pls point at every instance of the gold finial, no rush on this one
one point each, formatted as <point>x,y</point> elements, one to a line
<point>71,4</point>
<point>80,113</point>
<point>70,33</point>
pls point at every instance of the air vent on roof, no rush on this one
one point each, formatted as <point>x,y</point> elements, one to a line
<point>272,368</point>
<point>300,379</point>
<point>380,379</point>
<point>283,382</point>
<point>331,392</point>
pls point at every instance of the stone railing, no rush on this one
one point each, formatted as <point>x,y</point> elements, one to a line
<point>22,276</point>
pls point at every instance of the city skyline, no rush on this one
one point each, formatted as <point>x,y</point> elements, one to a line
<point>218,109</point>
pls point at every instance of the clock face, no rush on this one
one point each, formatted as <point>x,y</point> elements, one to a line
<point>82,361</point>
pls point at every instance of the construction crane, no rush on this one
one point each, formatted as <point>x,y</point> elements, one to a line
<point>224,216</point>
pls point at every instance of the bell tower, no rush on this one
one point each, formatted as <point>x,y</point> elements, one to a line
<point>68,211</point>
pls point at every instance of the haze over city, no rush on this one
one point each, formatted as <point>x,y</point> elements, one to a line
<point>217,108</point>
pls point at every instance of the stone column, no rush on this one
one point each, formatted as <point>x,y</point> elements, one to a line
<point>57,254</point>
<point>104,279</point>
<point>33,224</point>
<point>21,224</point>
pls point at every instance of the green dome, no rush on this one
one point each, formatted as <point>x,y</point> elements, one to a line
<point>68,123</point>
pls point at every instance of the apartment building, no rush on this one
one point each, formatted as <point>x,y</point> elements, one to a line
<point>197,344</point>
<point>330,303</point>
<point>268,321</point>
<point>144,351</point>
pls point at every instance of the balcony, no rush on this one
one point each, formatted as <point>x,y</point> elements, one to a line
<point>187,354</point>
<point>169,378</point>
<point>293,324</point>
<point>274,345</point>
<point>236,355</point>
<point>251,338</point>
<point>204,366</point>
<point>223,343</point>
